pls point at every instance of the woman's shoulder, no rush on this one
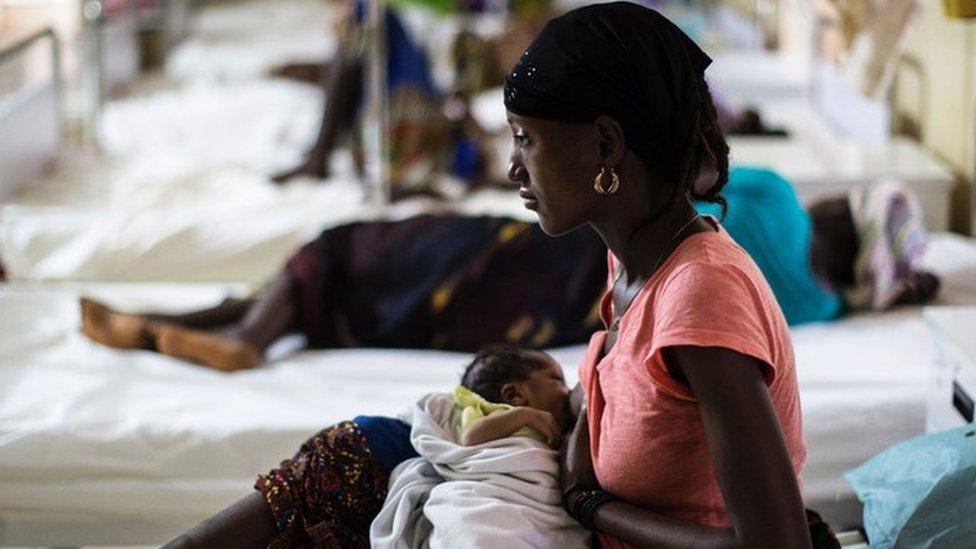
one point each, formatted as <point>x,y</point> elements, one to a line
<point>713,268</point>
<point>713,250</point>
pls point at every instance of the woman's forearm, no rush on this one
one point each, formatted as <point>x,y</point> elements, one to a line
<point>643,528</point>
<point>246,523</point>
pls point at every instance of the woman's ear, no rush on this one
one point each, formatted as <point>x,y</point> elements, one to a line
<point>513,395</point>
<point>610,136</point>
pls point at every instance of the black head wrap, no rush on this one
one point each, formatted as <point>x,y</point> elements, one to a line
<point>621,60</point>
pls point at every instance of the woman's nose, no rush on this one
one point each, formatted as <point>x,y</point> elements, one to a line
<point>516,171</point>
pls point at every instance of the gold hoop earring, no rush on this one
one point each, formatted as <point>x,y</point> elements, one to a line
<point>614,181</point>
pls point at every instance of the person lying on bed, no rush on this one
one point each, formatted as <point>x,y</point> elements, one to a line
<point>487,471</point>
<point>459,283</point>
<point>857,252</point>
<point>430,282</point>
<point>428,139</point>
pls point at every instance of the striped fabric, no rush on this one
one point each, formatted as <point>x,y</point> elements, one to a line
<point>891,241</point>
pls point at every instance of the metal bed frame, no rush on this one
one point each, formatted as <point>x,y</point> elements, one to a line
<point>30,117</point>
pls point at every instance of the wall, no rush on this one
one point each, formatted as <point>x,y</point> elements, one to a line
<point>945,49</point>
<point>21,18</point>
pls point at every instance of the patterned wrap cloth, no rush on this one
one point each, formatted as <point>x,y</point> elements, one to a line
<point>423,143</point>
<point>891,241</point>
<point>327,495</point>
<point>448,282</point>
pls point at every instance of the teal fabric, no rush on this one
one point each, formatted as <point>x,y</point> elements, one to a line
<point>767,220</point>
<point>921,493</point>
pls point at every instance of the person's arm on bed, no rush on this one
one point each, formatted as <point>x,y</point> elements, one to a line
<point>748,452</point>
<point>504,423</point>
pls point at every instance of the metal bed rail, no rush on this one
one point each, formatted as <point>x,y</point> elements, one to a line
<point>31,131</point>
<point>114,42</point>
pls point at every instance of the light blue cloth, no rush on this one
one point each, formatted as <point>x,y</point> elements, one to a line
<point>921,493</point>
<point>767,220</point>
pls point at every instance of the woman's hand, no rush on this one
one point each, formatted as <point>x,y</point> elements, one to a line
<point>576,463</point>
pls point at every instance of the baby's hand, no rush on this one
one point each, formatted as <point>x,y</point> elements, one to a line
<point>544,422</point>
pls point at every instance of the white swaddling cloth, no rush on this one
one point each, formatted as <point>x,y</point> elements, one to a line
<point>503,493</point>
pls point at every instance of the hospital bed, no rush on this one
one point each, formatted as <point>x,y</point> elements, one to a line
<point>100,446</point>
<point>105,446</point>
<point>824,154</point>
<point>30,116</point>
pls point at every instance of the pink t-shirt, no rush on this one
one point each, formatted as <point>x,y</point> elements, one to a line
<point>647,439</point>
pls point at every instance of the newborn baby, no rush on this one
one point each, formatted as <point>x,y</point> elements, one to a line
<point>487,475</point>
<point>508,391</point>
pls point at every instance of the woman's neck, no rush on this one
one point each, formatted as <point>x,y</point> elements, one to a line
<point>640,243</point>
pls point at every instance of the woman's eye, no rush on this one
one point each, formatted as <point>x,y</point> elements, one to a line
<point>520,139</point>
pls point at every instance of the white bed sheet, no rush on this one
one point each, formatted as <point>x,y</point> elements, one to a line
<point>184,223</point>
<point>184,192</point>
<point>101,437</point>
<point>132,447</point>
<point>243,40</point>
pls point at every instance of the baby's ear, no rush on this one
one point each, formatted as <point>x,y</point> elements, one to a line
<point>513,395</point>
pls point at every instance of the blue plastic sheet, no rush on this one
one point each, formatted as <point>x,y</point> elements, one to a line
<point>921,493</point>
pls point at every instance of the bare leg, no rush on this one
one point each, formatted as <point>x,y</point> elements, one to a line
<point>230,336</point>
<point>247,523</point>
<point>239,345</point>
<point>228,311</point>
<point>136,331</point>
<point>342,89</point>
<point>309,73</point>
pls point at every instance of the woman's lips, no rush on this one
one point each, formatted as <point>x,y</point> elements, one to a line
<point>531,202</point>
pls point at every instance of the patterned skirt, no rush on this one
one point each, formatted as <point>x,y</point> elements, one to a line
<point>327,495</point>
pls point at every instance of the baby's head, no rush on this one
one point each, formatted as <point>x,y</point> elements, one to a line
<point>520,377</point>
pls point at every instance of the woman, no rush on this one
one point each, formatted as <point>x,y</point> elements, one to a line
<point>432,281</point>
<point>859,252</point>
<point>424,142</point>
<point>692,402</point>
<point>691,393</point>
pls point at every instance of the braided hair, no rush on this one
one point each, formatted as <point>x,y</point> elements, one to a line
<point>706,163</point>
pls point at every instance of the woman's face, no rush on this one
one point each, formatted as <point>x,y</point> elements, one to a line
<point>555,164</point>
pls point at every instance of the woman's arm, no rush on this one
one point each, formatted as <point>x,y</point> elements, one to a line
<point>503,423</point>
<point>749,455</point>
<point>246,523</point>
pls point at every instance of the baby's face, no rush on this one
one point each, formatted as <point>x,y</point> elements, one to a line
<point>546,390</point>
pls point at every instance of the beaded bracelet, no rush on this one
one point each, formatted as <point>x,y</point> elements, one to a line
<point>582,504</point>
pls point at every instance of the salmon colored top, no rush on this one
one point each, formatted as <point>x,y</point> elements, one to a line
<point>647,440</point>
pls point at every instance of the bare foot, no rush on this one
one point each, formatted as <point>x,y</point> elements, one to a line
<point>310,73</point>
<point>214,349</point>
<point>115,329</point>
<point>308,170</point>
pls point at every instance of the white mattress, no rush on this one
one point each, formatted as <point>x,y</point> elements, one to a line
<point>132,447</point>
<point>102,446</point>
<point>243,40</point>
